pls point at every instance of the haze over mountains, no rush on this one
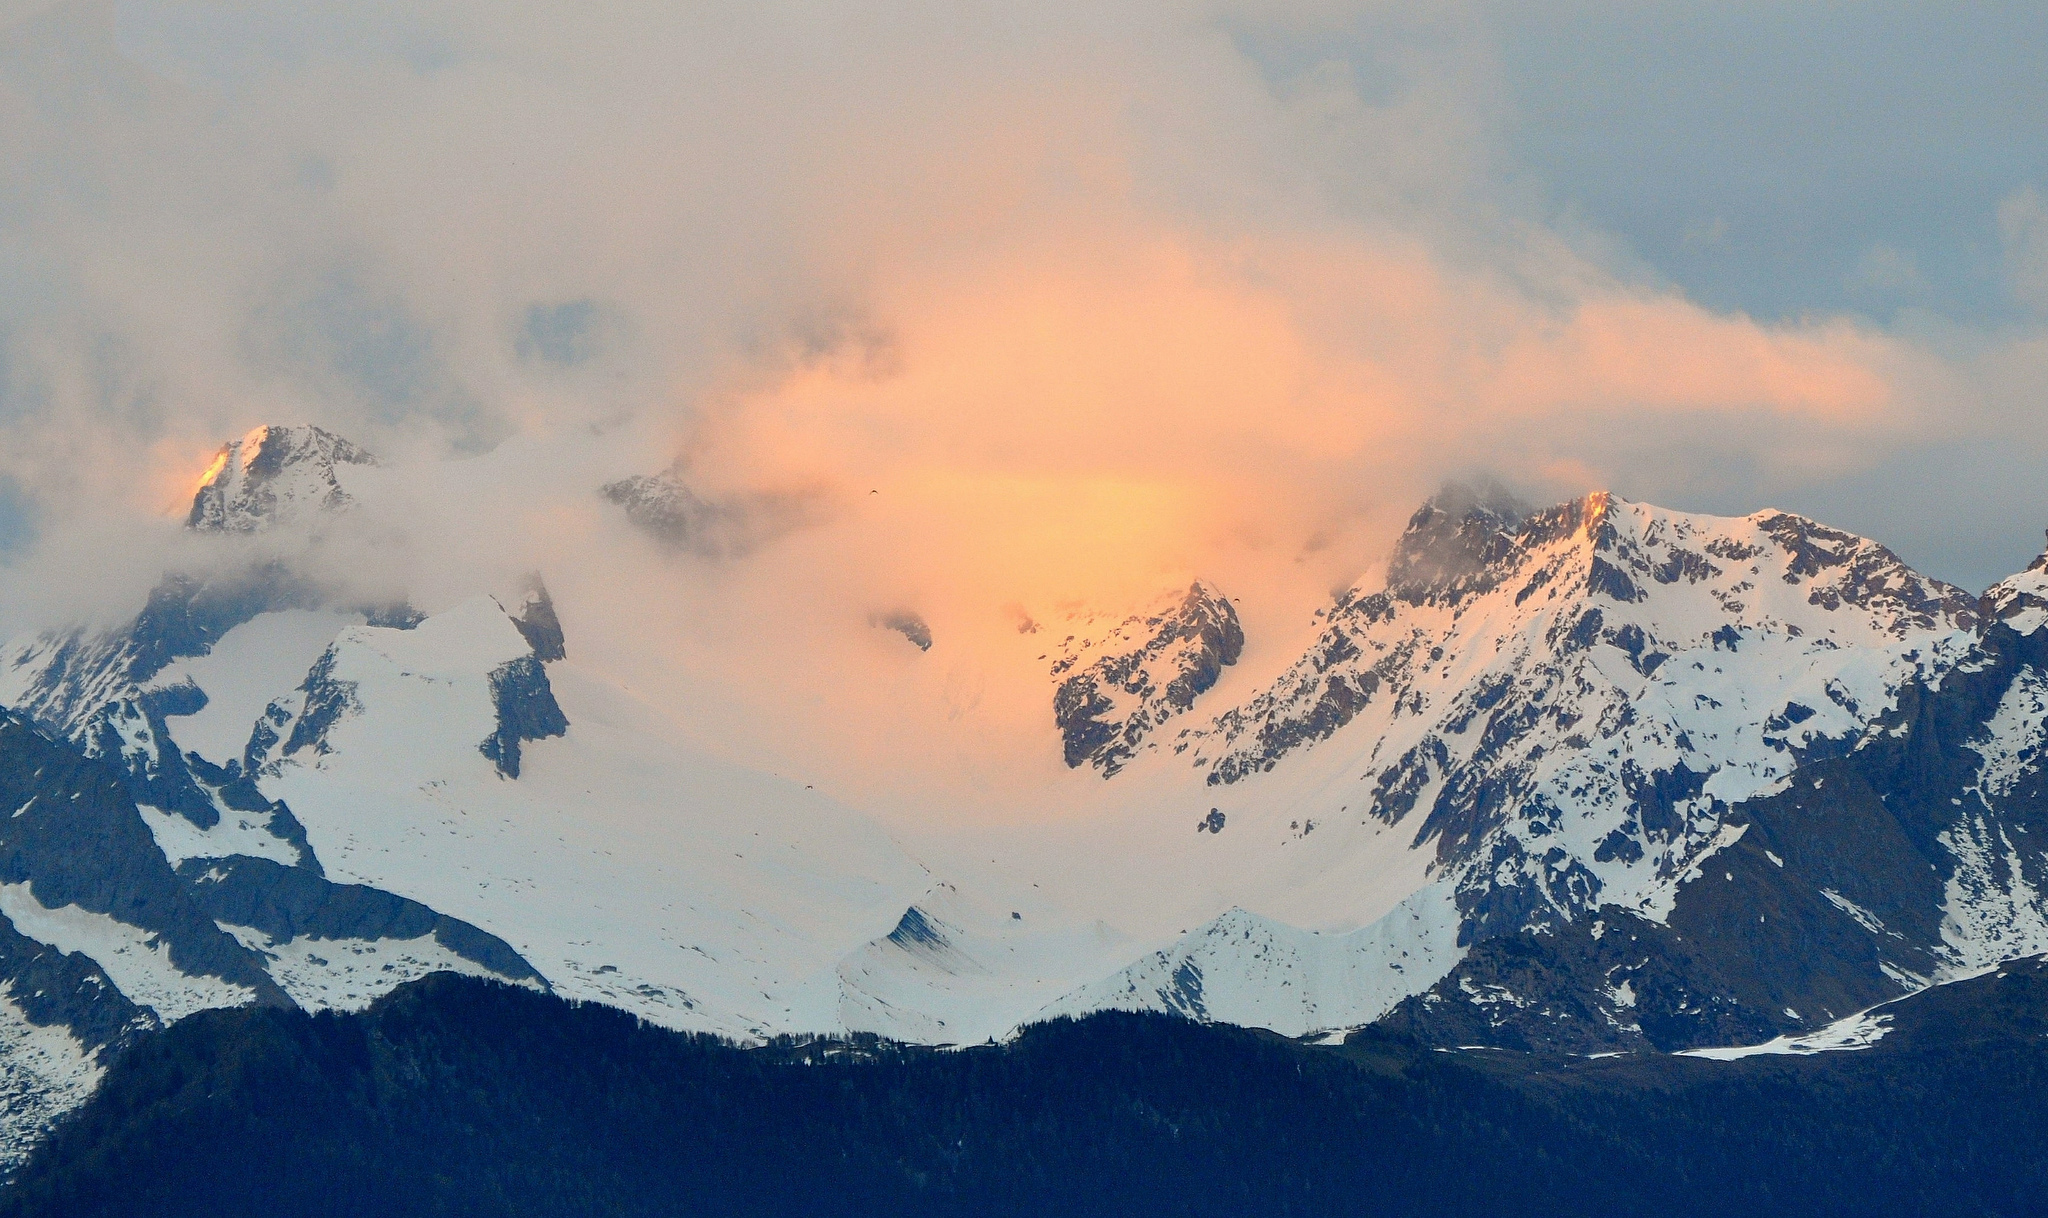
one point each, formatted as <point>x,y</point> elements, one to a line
<point>1598,776</point>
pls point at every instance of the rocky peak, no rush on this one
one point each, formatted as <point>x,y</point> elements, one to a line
<point>1454,543</point>
<point>2020,601</point>
<point>1121,679</point>
<point>274,474</point>
<point>1568,712</point>
<point>666,508</point>
<point>534,615</point>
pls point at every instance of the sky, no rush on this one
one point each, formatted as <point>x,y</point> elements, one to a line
<point>1046,304</point>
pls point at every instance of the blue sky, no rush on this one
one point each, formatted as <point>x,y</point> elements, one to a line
<point>1789,158</point>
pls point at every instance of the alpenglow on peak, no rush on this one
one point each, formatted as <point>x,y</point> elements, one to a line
<point>274,474</point>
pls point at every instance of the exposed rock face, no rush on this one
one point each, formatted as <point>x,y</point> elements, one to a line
<point>535,617</point>
<point>667,509</point>
<point>288,903</point>
<point>2021,601</point>
<point>272,475</point>
<point>1455,545</point>
<point>520,691</point>
<point>1120,681</point>
<point>62,678</point>
<point>76,839</point>
<point>527,710</point>
<point>910,625</point>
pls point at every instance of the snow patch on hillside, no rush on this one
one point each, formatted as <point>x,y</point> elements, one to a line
<point>1860,1031</point>
<point>2013,739</point>
<point>235,833</point>
<point>350,974</point>
<point>137,961</point>
<point>1993,912</point>
<point>45,1072</point>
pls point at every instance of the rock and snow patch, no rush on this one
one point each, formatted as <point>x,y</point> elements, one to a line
<point>1122,677</point>
<point>138,962</point>
<point>243,671</point>
<point>350,974</point>
<point>236,832</point>
<point>2013,739</point>
<point>273,475</point>
<point>1993,912</point>
<point>1563,705</point>
<point>2021,601</point>
<point>1856,1032</point>
<point>45,1072</point>
<point>962,968</point>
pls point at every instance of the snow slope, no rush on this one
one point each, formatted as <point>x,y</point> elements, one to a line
<point>625,866</point>
<point>1529,725</point>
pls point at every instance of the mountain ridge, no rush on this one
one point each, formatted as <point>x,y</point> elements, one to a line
<point>1595,777</point>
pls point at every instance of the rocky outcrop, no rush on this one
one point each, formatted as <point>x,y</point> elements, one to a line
<point>535,617</point>
<point>75,839</point>
<point>527,710</point>
<point>1120,680</point>
<point>289,903</point>
<point>912,626</point>
<point>666,508</point>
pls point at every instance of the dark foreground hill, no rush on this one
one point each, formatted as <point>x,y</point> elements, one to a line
<point>456,1097</point>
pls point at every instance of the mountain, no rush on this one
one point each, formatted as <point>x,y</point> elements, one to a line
<point>1598,777</point>
<point>1902,859</point>
<point>274,475</point>
<point>468,1098</point>
<point>1558,721</point>
<point>157,865</point>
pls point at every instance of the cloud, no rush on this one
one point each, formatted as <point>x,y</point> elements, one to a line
<point>1089,296</point>
<point>2023,223</point>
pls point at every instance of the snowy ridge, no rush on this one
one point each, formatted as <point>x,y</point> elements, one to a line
<point>1245,969</point>
<point>1566,715</point>
<point>609,858</point>
<point>2021,601</point>
<point>959,969</point>
<point>1513,777</point>
<point>138,962</point>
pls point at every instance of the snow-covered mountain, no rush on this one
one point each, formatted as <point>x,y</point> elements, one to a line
<point>1575,719</point>
<point>1601,775</point>
<point>158,862</point>
<point>272,475</point>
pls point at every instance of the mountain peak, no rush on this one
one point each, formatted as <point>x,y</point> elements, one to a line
<point>1453,539</point>
<point>1122,678</point>
<point>273,474</point>
<point>2021,601</point>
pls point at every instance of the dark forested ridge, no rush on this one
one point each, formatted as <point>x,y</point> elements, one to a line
<point>457,1097</point>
